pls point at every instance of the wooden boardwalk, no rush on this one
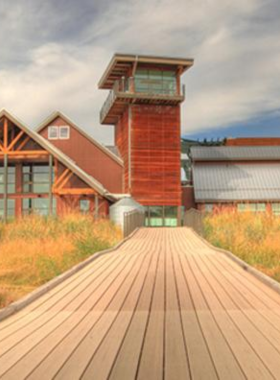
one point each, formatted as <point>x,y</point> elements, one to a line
<point>163,306</point>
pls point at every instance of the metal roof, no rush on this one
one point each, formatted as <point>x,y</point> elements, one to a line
<point>63,158</point>
<point>235,153</point>
<point>236,182</point>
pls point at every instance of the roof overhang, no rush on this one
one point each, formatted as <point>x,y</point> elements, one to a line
<point>121,63</point>
<point>60,156</point>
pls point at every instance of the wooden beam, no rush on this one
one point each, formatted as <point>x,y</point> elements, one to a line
<point>50,185</point>
<point>15,140</point>
<point>5,193</point>
<point>96,206</point>
<point>24,142</point>
<point>2,148</point>
<point>5,133</point>
<point>16,153</point>
<point>62,176</point>
<point>75,191</point>
<point>65,180</point>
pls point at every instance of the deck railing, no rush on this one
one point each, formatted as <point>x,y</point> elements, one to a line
<point>132,220</point>
<point>194,219</point>
<point>153,88</point>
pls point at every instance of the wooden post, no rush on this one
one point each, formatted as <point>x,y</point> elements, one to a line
<point>129,148</point>
<point>96,205</point>
<point>5,194</point>
<point>50,185</point>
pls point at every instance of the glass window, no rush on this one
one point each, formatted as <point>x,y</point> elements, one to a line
<point>10,208</point>
<point>36,179</point>
<point>64,132</point>
<point>155,81</point>
<point>253,207</point>
<point>208,207</point>
<point>38,206</point>
<point>275,208</point>
<point>84,206</point>
<point>170,216</point>
<point>52,132</point>
<point>11,180</point>
<point>156,216</point>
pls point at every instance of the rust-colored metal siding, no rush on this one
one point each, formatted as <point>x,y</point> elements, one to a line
<point>155,153</point>
<point>253,141</point>
<point>89,157</point>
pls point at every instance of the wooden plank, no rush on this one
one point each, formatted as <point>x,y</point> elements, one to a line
<point>49,324</point>
<point>176,355</point>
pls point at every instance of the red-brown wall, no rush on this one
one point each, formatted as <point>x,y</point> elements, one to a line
<point>155,153</point>
<point>188,200</point>
<point>89,157</point>
<point>253,141</point>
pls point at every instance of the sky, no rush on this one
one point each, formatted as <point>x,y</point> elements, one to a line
<point>53,53</point>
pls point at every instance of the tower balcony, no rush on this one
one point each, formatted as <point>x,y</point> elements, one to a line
<point>139,91</point>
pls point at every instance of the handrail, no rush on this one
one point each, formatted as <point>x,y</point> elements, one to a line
<point>132,220</point>
<point>134,86</point>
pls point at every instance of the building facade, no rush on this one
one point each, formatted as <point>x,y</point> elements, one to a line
<point>59,167</point>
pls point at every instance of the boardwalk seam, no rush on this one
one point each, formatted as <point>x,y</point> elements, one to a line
<point>19,305</point>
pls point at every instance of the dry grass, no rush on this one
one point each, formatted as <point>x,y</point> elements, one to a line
<point>34,249</point>
<point>254,237</point>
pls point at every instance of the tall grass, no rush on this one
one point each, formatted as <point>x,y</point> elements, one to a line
<point>254,237</point>
<point>34,249</point>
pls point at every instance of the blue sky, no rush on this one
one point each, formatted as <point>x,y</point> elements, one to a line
<point>54,52</point>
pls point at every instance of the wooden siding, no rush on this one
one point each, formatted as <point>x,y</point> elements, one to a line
<point>188,200</point>
<point>89,157</point>
<point>155,154</point>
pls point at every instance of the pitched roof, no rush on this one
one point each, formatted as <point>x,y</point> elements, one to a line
<point>235,153</point>
<point>57,114</point>
<point>63,158</point>
<point>232,182</point>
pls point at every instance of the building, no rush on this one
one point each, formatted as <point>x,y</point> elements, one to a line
<point>237,177</point>
<point>59,167</point>
<point>144,106</point>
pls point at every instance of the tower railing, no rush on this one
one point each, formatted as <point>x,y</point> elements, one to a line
<point>152,88</point>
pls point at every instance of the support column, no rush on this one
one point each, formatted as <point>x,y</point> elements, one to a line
<point>96,205</point>
<point>19,190</point>
<point>50,185</point>
<point>5,194</point>
<point>129,148</point>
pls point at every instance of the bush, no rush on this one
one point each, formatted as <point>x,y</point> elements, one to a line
<point>254,237</point>
<point>35,249</point>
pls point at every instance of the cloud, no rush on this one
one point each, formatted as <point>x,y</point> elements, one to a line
<point>53,54</point>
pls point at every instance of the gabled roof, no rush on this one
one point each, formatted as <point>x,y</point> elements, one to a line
<point>236,182</point>
<point>63,158</point>
<point>121,63</point>
<point>60,114</point>
<point>235,153</point>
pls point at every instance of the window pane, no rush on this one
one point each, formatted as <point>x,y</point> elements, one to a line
<point>64,132</point>
<point>276,208</point>
<point>53,132</point>
<point>84,205</point>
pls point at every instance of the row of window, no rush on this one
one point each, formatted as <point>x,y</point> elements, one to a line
<point>35,179</point>
<point>39,206</point>
<point>252,207</point>
<point>58,133</point>
<point>155,81</point>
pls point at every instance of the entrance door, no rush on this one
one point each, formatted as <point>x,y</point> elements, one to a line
<point>161,216</point>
